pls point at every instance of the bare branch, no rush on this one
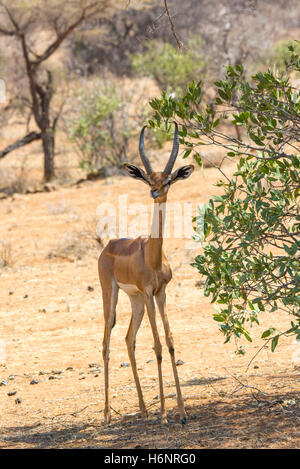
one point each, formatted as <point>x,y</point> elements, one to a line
<point>85,13</point>
<point>21,143</point>
<point>179,43</point>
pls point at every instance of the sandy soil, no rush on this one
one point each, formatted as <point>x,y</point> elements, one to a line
<point>52,325</point>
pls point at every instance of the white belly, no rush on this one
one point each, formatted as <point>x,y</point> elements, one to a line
<point>129,288</point>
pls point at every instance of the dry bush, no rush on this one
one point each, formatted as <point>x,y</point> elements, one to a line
<point>92,233</point>
<point>12,181</point>
<point>73,246</point>
<point>78,243</point>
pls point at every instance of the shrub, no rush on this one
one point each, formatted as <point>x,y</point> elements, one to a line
<point>101,128</point>
<point>170,67</point>
<point>250,233</point>
<point>280,53</point>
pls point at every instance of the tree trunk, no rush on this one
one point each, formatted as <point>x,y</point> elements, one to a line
<point>48,148</point>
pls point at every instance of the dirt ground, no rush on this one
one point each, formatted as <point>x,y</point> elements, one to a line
<point>51,326</point>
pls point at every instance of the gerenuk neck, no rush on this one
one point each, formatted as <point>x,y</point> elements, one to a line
<point>156,236</point>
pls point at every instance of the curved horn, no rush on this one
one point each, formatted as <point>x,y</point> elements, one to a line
<point>174,152</point>
<point>143,156</point>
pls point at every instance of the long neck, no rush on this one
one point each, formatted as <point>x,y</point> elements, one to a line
<point>156,236</point>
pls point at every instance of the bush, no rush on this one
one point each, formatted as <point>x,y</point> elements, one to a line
<point>101,128</point>
<point>250,232</point>
<point>280,53</point>
<point>170,67</point>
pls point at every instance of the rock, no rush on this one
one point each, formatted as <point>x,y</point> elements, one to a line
<point>4,382</point>
<point>34,381</point>
<point>12,393</point>
<point>179,362</point>
<point>18,400</point>
<point>49,187</point>
<point>200,283</point>
<point>124,364</point>
<point>90,288</point>
<point>11,377</point>
<point>70,368</point>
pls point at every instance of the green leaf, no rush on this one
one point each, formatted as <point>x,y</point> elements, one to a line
<point>218,318</point>
<point>274,342</point>
<point>267,333</point>
<point>187,153</point>
<point>198,159</point>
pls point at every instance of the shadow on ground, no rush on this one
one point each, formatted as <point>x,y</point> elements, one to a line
<point>241,422</point>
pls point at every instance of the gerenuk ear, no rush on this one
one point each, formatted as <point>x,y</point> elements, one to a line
<point>136,172</point>
<point>182,173</point>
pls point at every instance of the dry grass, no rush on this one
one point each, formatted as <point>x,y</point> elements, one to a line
<point>73,246</point>
<point>6,257</point>
<point>78,243</point>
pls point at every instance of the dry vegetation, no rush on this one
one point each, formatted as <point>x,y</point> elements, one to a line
<point>5,254</point>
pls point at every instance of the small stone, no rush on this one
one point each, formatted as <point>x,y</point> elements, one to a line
<point>82,377</point>
<point>179,362</point>
<point>18,400</point>
<point>150,361</point>
<point>11,377</point>
<point>90,288</point>
<point>12,393</point>
<point>34,381</point>
<point>11,293</point>
<point>4,382</point>
<point>94,365</point>
<point>200,283</point>
<point>70,368</point>
<point>124,364</point>
<point>256,367</point>
<point>26,296</point>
